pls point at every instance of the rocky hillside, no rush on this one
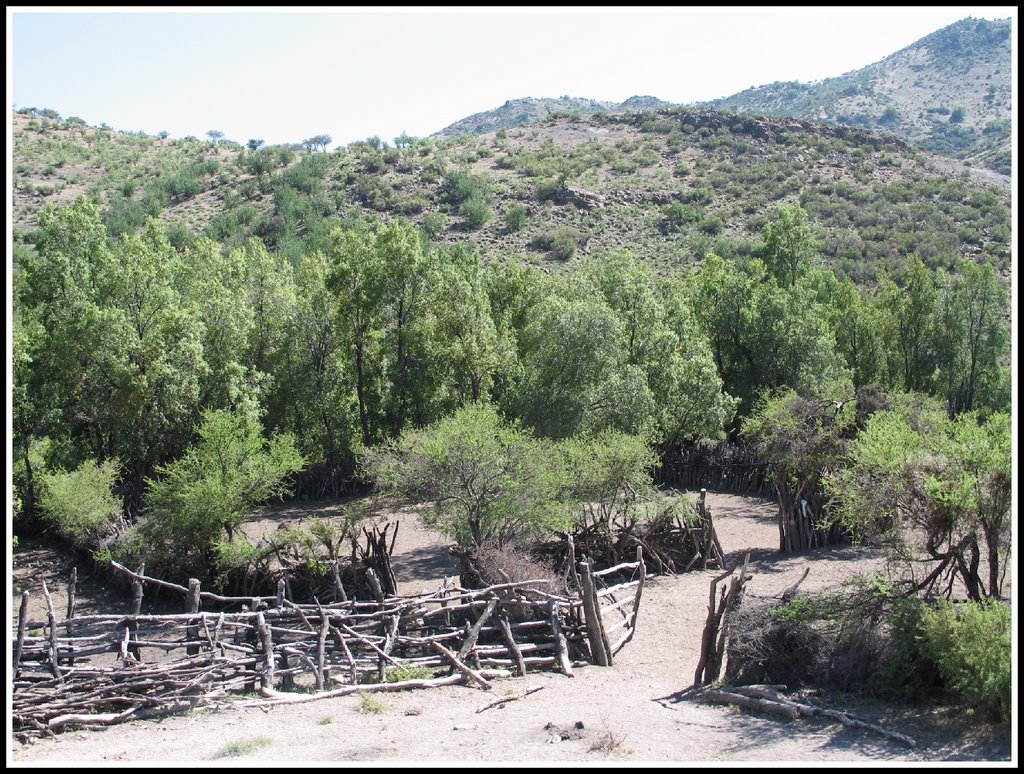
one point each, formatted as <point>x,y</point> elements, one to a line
<point>949,92</point>
<point>520,112</point>
<point>670,186</point>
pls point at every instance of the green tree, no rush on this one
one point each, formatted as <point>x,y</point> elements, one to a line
<point>486,481</point>
<point>971,338</point>
<point>909,316</point>
<point>576,378</point>
<point>936,491</point>
<point>801,438</point>
<point>854,320</point>
<point>789,244</point>
<point>198,501</point>
<point>764,336</point>
<point>663,340</point>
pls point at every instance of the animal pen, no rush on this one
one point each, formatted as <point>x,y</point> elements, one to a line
<point>94,670</point>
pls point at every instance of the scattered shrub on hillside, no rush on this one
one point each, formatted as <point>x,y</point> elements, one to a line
<point>475,212</point>
<point>560,242</point>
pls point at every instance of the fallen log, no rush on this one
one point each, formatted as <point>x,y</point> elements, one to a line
<point>767,698</point>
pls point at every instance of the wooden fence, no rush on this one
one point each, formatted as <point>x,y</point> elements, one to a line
<point>721,466</point>
<point>94,670</point>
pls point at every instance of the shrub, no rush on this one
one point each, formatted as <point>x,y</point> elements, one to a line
<point>434,223</point>
<point>515,217</point>
<point>493,563</point>
<point>550,189</point>
<point>475,212</point>
<point>561,242</point>
<point>80,505</point>
<point>970,642</point>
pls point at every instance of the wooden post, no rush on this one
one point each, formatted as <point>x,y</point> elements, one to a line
<point>72,586</point>
<point>560,645</point>
<point>280,593</point>
<point>321,646</point>
<point>599,646</point>
<point>339,590</point>
<point>22,622</point>
<point>137,590</point>
<point>375,587</point>
<point>642,568</point>
<point>510,641</point>
<point>51,621</point>
<point>267,643</point>
<point>192,603</point>
<point>133,625</point>
<point>474,632</point>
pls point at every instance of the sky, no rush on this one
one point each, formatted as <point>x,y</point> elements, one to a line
<point>285,74</point>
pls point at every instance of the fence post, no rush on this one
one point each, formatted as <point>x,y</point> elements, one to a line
<point>599,646</point>
<point>192,603</point>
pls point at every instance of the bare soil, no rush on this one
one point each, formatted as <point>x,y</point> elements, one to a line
<point>637,711</point>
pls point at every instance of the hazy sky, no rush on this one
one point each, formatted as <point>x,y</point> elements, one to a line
<point>282,75</point>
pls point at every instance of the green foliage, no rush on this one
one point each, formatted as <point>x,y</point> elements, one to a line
<point>459,186</point>
<point>561,242</point>
<point>475,212</point>
<point>800,436</point>
<point>203,496</point>
<point>80,505</point>
<point>402,671</point>
<point>434,223</point>
<point>487,481</point>
<point>788,245</point>
<point>611,476</point>
<point>675,217</point>
<point>971,644</point>
<point>370,704</point>
<point>515,217</point>
<point>913,469</point>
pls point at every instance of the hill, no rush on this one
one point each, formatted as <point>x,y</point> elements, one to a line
<point>950,92</point>
<point>670,185</point>
<point>520,112</point>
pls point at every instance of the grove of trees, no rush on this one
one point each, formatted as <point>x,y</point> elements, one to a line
<point>132,356</point>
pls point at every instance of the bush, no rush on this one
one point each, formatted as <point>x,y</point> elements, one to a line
<point>493,563</point>
<point>475,212</point>
<point>970,642</point>
<point>515,217</point>
<point>434,223</point>
<point>561,242</point>
<point>80,505</point>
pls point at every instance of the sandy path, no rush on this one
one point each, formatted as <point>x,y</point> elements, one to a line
<point>630,713</point>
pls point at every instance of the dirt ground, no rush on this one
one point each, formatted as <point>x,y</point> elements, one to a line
<point>635,712</point>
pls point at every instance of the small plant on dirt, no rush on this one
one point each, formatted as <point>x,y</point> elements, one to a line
<point>326,720</point>
<point>609,741</point>
<point>370,704</point>
<point>243,746</point>
<point>401,672</point>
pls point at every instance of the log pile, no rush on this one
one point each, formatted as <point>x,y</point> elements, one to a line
<point>667,545</point>
<point>714,638</point>
<point>103,669</point>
